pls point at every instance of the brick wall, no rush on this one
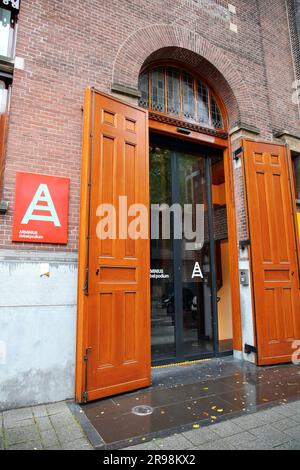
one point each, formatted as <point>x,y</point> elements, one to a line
<point>293,12</point>
<point>68,45</point>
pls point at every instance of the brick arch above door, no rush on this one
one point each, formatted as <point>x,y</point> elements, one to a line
<point>220,69</point>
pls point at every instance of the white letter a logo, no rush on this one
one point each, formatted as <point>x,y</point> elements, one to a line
<point>42,195</point>
<point>197,271</point>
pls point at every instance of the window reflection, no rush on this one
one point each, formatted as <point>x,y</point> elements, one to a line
<point>7,30</point>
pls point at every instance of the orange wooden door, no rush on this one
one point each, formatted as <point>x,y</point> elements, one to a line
<point>273,251</point>
<point>119,269</point>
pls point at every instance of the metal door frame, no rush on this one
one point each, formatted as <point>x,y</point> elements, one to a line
<point>177,263</point>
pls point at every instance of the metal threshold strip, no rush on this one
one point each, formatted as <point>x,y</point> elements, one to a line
<point>181,364</point>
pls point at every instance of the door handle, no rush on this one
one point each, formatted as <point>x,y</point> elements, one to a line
<point>97,272</point>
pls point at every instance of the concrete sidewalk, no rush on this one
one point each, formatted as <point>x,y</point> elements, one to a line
<point>54,427</point>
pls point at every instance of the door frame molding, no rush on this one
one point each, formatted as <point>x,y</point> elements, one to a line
<point>82,320</point>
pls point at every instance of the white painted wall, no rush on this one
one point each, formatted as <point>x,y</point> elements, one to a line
<point>246,308</point>
<point>37,327</point>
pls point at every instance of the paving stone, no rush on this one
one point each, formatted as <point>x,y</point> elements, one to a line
<point>176,442</point>
<point>239,440</point>
<point>19,424</point>
<point>290,445</point>
<point>62,419</point>
<point>58,447</point>
<point>44,423</point>
<point>226,429</point>
<point>271,416</point>
<point>248,422</point>
<point>1,442</point>
<point>285,410</point>
<point>39,411</point>
<point>257,444</point>
<point>216,445</point>
<point>293,432</point>
<point>20,435</point>
<point>55,408</point>
<point>79,444</point>
<point>201,436</point>
<point>284,424</point>
<point>270,434</point>
<point>13,416</point>
<point>30,445</point>
<point>151,445</point>
<point>295,444</point>
<point>69,434</point>
<point>49,438</point>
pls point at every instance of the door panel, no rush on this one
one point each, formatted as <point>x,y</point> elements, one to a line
<point>273,248</point>
<point>119,299</point>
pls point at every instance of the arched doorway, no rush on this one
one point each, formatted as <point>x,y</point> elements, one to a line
<point>191,309</point>
<point>176,151</point>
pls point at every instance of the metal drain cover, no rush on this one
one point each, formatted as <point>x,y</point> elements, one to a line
<point>142,410</point>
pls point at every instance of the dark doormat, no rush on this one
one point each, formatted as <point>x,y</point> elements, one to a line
<point>183,397</point>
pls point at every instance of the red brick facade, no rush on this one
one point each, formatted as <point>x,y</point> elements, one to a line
<point>68,45</point>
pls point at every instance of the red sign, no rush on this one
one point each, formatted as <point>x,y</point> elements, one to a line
<point>41,209</point>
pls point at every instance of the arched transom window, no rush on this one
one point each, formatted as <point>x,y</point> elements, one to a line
<point>177,93</point>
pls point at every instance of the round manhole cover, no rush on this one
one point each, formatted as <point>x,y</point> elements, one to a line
<point>142,410</point>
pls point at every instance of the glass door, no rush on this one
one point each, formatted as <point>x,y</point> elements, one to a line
<point>183,286</point>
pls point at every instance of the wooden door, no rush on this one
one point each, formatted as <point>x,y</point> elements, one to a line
<point>273,251</point>
<point>118,302</point>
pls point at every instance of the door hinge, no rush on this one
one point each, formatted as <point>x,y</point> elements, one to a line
<point>237,153</point>
<point>86,356</point>
<point>250,349</point>
<point>244,243</point>
<point>86,360</point>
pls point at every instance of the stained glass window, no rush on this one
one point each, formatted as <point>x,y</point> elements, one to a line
<point>188,98</point>
<point>202,103</point>
<point>158,90</point>
<point>216,116</point>
<point>173,78</point>
<point>144,89</point>
<point>176,92</point>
